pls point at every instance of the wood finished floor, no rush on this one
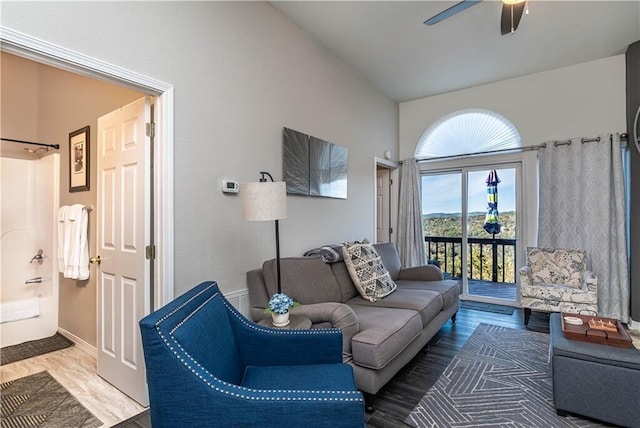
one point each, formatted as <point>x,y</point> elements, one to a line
<point>396,400</point>
<point>76,370</point>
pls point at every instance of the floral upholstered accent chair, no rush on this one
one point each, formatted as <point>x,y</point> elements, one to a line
<point>557,280</point>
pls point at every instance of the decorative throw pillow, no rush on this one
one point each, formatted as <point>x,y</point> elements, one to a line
<point>367,272</point>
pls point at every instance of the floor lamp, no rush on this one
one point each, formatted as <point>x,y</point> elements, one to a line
<point>265,201</point>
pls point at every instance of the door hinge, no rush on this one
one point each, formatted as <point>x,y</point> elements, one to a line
<point>150,252</point>
<point>150,129</point>
<point>390,230</point>
<point>391,182</point>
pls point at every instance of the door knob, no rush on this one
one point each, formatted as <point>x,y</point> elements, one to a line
<point>95,259</point>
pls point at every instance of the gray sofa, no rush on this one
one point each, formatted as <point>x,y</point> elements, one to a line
<point>380,337</point>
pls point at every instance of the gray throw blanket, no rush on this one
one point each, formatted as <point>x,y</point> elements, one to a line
<point>328,253</point>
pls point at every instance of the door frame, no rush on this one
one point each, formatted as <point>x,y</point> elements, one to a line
<point>393,196</point>
<point>43,52</point>
<point>526,200</point>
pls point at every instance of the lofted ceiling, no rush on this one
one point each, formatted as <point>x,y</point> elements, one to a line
<point>388,44</point>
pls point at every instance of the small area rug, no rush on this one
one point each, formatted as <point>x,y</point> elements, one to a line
<point>38,400</point>
<point>500,378</point>
<point>22,351</point>
<point>486,307</point>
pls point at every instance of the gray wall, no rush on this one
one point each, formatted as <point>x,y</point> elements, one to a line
<point>241,71</point>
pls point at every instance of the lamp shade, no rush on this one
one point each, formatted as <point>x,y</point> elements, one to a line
<point>264,201</point>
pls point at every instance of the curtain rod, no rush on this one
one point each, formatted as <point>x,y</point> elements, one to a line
<point>623,136</point>
<point>11,140</point>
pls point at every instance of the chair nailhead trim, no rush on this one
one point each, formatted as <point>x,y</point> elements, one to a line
<point>250,394</point>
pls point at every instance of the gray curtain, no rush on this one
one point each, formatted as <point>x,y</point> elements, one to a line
<point>582,206</point>
<point>410,233</point>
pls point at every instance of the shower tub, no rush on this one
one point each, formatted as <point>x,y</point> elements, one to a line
<point>29,203</point>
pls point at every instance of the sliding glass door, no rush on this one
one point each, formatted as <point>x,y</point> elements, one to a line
<point>472,239</point>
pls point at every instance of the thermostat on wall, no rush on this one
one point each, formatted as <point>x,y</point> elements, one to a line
<point>229,186</point>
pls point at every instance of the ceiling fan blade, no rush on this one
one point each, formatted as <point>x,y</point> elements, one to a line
<point>456,8</point>
<point>511,15</point>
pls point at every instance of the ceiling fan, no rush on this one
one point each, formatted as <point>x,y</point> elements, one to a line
<point>511,13</point>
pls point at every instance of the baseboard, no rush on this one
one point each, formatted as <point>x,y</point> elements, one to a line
<point>81,344</point>
<point>634,325</point>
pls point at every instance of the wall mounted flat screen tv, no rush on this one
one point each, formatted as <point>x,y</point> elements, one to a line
<point>312,166</point>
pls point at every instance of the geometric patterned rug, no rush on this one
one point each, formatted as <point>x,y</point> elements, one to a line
<point>39,400</point>
<point>500,378</point>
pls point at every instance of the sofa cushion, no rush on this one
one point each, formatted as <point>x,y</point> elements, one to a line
<point>384,333</point>
<point>449,289</point>
<point>427,303</point>
<point>305,279</point>
<point>368,273</point>
<point>342,277</point>
<point>556,293</point>
<point>390,258</point>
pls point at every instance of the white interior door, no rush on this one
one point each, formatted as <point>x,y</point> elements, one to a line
<point>383,175</point>
<point>123,233</point>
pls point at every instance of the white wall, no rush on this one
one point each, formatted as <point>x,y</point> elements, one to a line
<point>241,72</point>
<point>582,100</point>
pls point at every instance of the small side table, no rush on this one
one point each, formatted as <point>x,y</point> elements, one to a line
<point>295,322</point>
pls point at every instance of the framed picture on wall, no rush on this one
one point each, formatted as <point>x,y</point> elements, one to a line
<point>79,160</point>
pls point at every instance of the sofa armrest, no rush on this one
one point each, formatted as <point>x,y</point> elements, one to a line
<point>266,346</point>
<point>421,273</point>
<point>339,316</point>
<point>590,282</point>
<point>258,296</point>
<point>525,276</point>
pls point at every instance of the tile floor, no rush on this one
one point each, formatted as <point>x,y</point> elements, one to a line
<point>76,371</point>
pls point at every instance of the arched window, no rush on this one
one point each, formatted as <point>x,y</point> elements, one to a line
<point>468,131</point>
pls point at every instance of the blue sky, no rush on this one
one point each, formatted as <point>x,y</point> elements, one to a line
<point>441,193</point>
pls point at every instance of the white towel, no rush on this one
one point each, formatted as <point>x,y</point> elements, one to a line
<point>20,310</point>
<point>77,264</point>
<point>62,237</point>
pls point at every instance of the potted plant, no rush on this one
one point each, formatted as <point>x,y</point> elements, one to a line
<point>278,307</point>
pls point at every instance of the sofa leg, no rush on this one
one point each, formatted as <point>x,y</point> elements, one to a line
<point>527,314</point>
<point>562,413</point>
<point>369,406</point>
<point>453,318</point>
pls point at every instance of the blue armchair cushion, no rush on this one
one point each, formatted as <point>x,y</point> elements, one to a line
<point>322,376</point>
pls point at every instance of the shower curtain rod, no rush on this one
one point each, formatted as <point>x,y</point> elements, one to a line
<point>623,136</point>
<point>11,140</point>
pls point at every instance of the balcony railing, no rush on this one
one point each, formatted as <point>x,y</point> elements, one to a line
<point>487,259</point>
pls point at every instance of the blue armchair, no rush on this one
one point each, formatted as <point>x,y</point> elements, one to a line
<point>207,365</point>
